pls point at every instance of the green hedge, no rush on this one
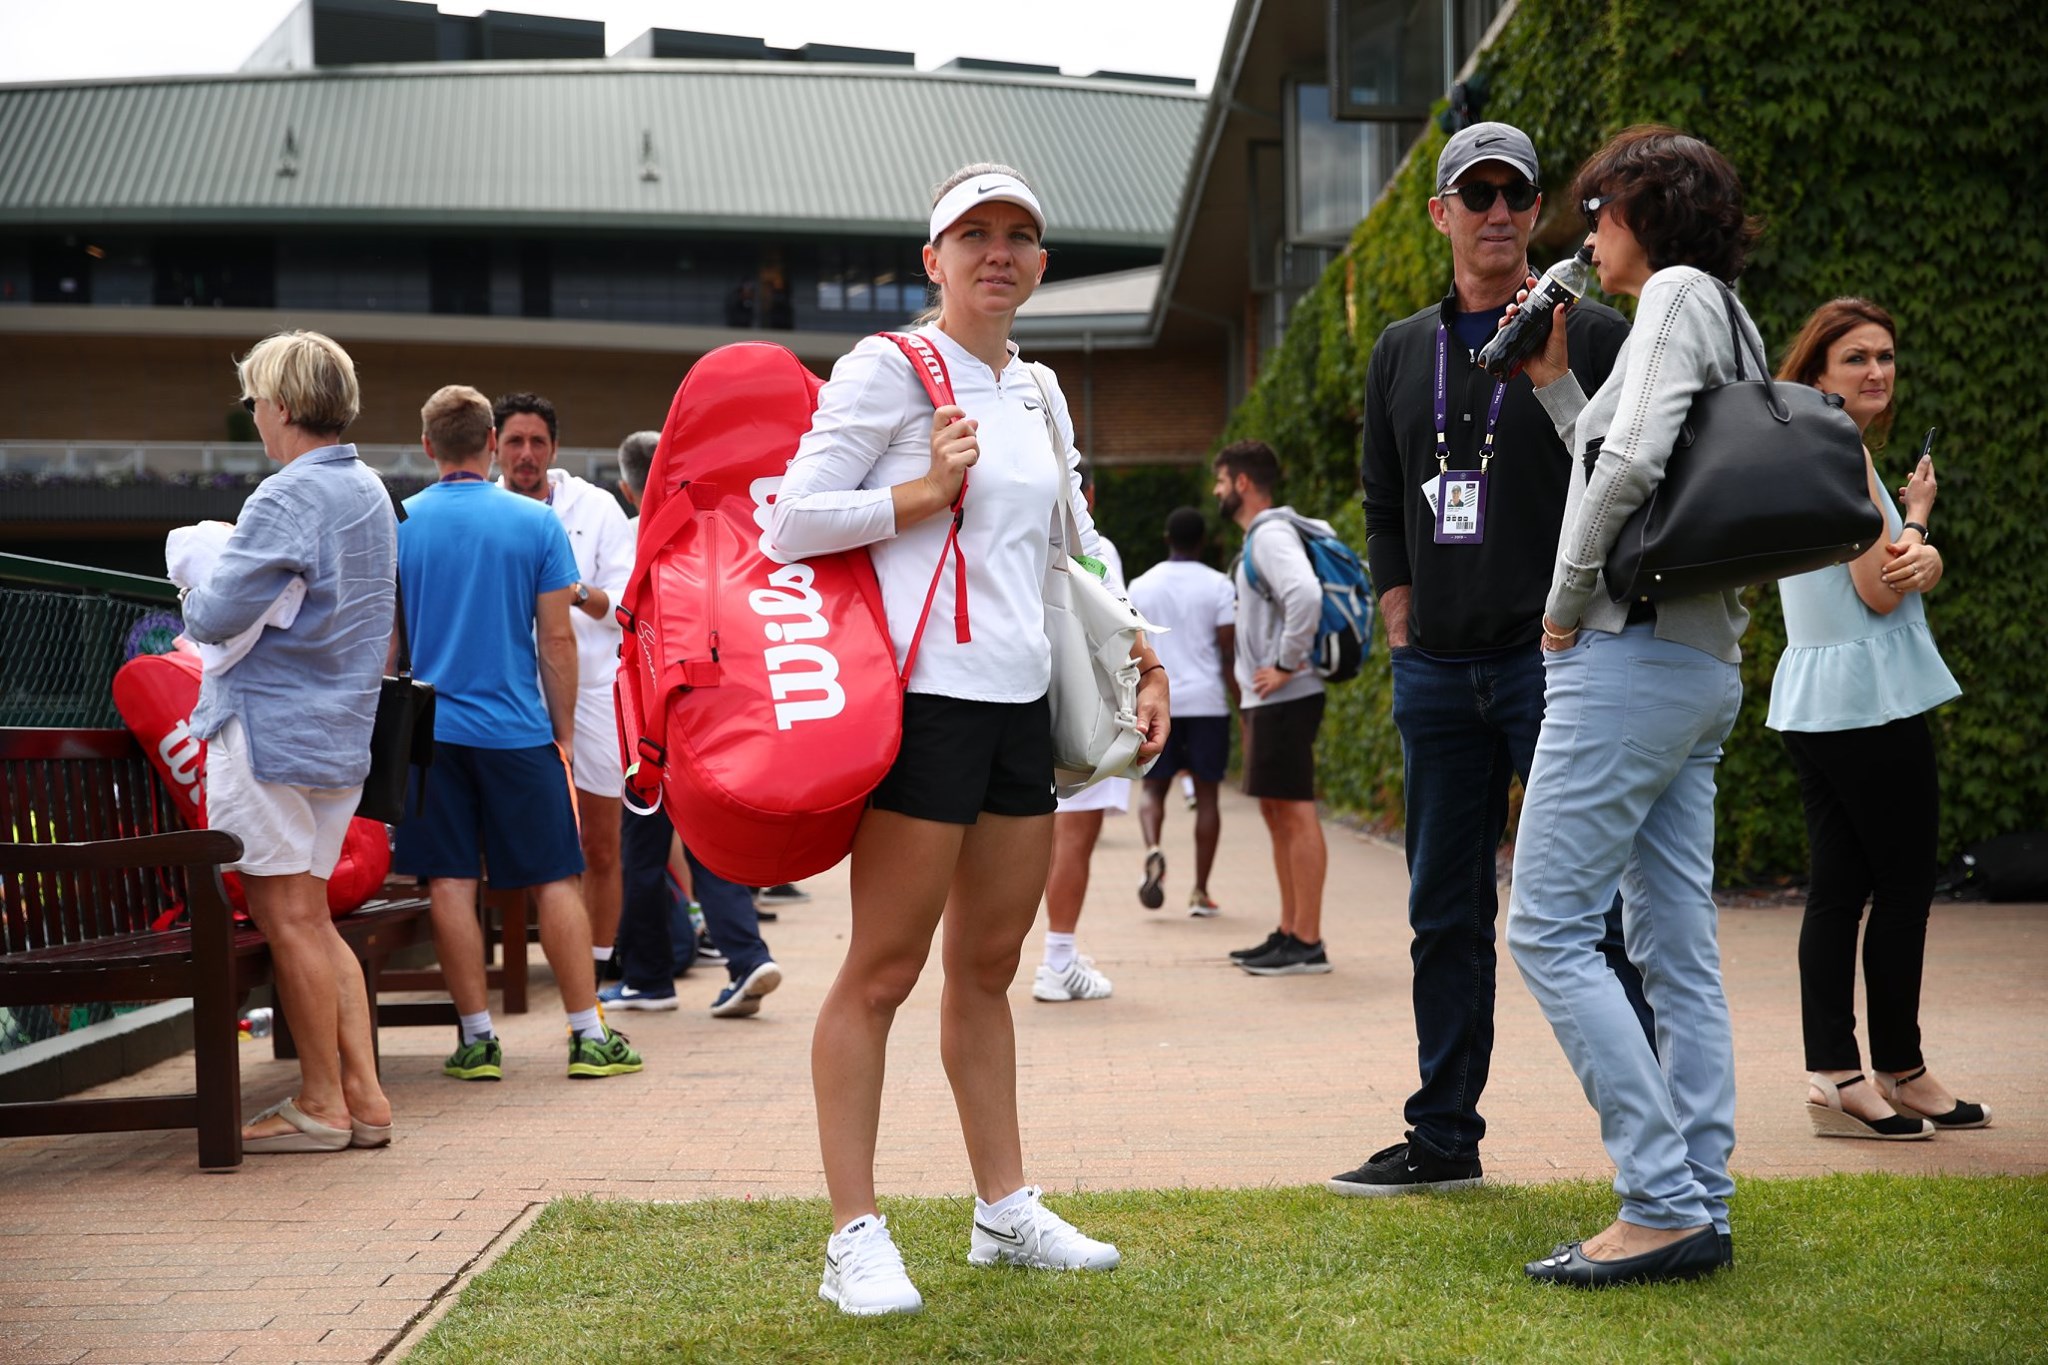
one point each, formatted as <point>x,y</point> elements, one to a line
<point>1891,154</point>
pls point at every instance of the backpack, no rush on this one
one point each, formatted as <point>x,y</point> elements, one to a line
<point>758,699</point>
<point>1344,635</point>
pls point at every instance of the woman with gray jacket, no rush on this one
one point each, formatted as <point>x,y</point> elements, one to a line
<point>1638,698</point>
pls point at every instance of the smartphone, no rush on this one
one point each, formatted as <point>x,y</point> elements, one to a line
<point>1927,445</point>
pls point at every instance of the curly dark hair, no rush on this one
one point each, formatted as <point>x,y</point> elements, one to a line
<point>540,407</point>
<point>1680,197</point>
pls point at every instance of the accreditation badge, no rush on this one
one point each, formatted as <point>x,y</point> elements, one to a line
<point>1461,507</point>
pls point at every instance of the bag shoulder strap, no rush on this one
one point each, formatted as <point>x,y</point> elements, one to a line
<point>1069,530</point>
<point>1740,340</point>
<point>398,586</point>
<point>1267,518</point>
<point>930,368</point>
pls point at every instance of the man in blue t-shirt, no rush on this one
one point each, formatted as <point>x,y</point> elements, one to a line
<point>486,574</point>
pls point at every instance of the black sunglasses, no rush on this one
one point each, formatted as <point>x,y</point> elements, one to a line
<point>1479,195</point>
<point>249,406</point>
<point>1591,208</point>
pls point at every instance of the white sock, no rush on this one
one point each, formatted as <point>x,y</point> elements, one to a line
<point>1007,1204</point>
<point>1059,951</point>
<point>475,1026</point>
<point>598,954</point>
<point>585,1024</point>
<point>856,1225</point>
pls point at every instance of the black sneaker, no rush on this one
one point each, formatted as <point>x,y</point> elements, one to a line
<point>1289,957</point>
<point>1273,940</point>
<point>707,951</point>
<point>1407,1168</point>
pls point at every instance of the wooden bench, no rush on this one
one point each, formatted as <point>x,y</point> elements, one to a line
<point>81,880</point>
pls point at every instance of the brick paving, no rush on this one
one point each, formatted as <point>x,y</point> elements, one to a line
<point>116,1247</point>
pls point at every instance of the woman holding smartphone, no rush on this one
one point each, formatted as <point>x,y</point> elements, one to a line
<point>1859,674</point>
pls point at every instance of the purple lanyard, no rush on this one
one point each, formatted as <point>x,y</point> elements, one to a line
<point>461,476</point>
<point>1443,442</point>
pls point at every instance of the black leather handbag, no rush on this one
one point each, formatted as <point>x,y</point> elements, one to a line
<point>1766,480</point>
<point>403,737</point>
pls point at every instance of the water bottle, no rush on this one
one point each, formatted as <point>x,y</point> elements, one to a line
<point>1528,330</point>
<point>258,1024</point>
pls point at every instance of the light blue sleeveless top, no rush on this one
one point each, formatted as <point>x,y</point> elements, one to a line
<point>1845,666</point>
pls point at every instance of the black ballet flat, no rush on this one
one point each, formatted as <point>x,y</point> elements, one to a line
<point>1685,1259</point>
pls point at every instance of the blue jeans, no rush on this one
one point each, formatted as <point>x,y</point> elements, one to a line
<point>645,946</point>
<point>1465,729</point>
<point>1623,794</point>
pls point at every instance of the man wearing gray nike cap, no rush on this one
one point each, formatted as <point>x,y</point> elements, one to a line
<point>1462,599</point>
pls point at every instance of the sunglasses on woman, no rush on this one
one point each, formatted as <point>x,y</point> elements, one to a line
<point>1479,195</point>
<point>1591,208</point>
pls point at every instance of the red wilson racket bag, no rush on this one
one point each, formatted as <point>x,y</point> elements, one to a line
<point>758,700</point>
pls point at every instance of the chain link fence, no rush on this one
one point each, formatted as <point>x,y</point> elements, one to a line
<point>64,630</point>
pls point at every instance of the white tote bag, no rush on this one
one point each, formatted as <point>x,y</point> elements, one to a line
<point>1094,693</point>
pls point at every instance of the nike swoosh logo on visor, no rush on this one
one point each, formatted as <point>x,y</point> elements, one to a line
<point>984,189</point>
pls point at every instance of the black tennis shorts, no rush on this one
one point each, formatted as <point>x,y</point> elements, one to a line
<point>960,758</point>
<point>1280,749</point>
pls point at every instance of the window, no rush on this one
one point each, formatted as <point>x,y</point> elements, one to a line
<point>1387,57</point>
<point>1336,170</point>
<point>1392,59</point>
<point>870,278</point>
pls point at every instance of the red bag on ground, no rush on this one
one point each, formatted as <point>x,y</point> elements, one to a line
<point>760,700</point>
<point>155,694</point>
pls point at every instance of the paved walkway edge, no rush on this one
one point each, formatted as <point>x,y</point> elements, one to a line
<point>451,1293</point>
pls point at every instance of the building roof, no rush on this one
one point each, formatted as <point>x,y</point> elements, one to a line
<point>1113,309</point>
<point>682,145</point>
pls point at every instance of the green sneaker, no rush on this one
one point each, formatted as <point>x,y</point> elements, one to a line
<point>482,1060</point>
<point>589,1058</point>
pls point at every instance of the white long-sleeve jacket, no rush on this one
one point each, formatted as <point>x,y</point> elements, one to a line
<point>872,430</point>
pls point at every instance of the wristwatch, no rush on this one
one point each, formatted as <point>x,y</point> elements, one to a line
<point>582,593</point>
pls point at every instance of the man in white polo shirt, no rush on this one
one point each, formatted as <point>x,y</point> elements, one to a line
<point>1197,606</point>
<point>603,546</point>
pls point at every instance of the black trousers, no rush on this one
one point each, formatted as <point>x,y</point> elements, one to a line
<point>1873,821</point>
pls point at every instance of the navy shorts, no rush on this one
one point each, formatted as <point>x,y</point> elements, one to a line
<point>1280,749</point>
<point>1196,745</point>
<point>960,758</point>
<point>505,808</point>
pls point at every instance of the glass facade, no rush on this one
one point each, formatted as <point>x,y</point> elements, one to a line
<point>843,285</point>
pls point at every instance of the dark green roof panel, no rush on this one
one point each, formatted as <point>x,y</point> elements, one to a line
<point>708,145</point>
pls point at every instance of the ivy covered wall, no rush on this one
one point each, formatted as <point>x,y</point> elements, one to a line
<point>1893,153</point>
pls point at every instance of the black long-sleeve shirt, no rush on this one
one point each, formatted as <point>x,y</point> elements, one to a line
<point>1469,599</point>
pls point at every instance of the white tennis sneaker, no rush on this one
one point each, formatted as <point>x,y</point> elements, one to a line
<point>1033,1235</point>
<point>864,1272</point>
<point>1080,981</point>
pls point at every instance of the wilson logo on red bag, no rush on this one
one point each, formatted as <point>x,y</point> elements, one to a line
<point>758,699</point>
<point>155,694</point>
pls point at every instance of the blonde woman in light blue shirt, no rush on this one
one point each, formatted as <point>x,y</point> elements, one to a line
<point>1851,695</point>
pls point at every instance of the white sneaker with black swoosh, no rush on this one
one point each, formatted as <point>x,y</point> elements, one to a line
<point>864,1272</point>
<point>1030,1234</point>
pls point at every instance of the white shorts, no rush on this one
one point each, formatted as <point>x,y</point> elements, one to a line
<point>284,830</point>
<point>597,769</point>
<point>1110,794</point>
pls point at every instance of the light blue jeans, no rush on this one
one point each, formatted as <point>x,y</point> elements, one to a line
<point>1622,792</point>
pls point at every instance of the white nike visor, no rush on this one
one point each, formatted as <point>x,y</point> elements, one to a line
<point>983,189</point>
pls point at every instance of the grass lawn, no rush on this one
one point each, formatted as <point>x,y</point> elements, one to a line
<point>1848,1268</point>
